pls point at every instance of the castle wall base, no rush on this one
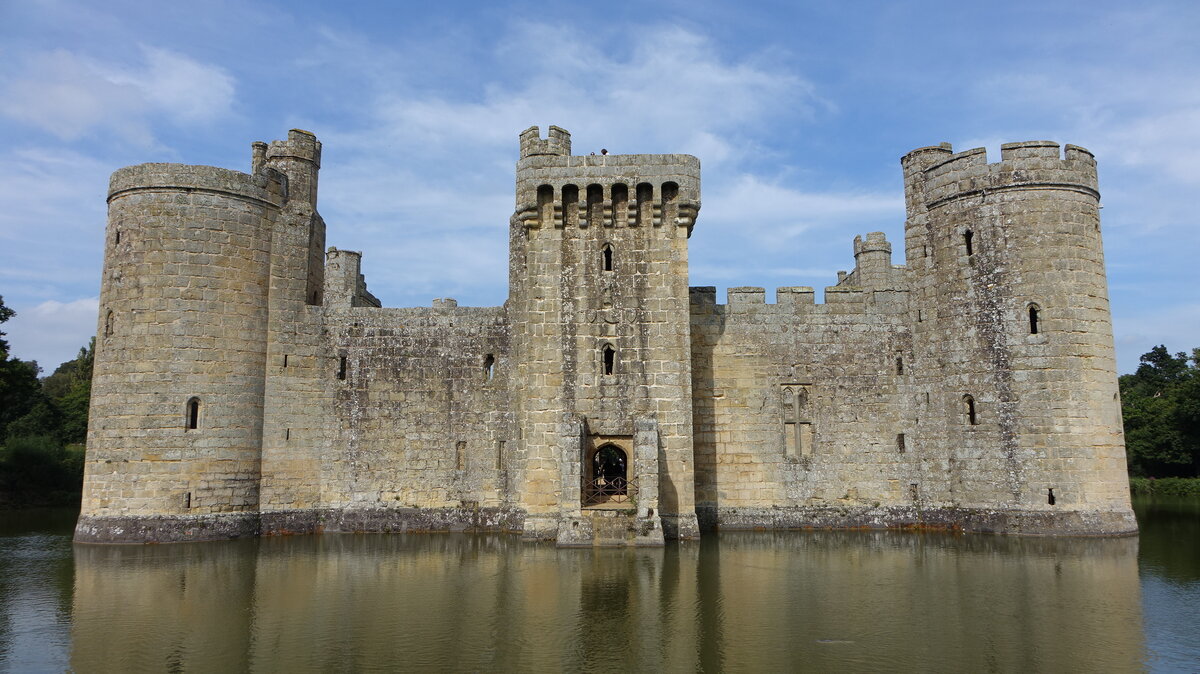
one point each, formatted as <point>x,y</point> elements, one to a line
<point>166,528</point>
<point>973,520</point>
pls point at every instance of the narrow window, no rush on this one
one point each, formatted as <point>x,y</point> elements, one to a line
<point>914,492</point>
<point>118,237</point>
<point>460,455</point>
<point>606,257</point>
<point>108,324</point>
<point>1033,319</point>
<point>315,298</point>
<point>806,438</point>
<point>899,364</point>
<point>187,501</point>
<point>341,373</point>
<point>287,434</point>
<point>610,359</point>
<point>969,404</point>
<point>1050,497</point>
<point>545,202</point>
<point>489,367</point>
<point>570,205</point>
<point>499,455</point>
<point>791,439</point>
<point>967,239</point>
<point>900,443</point>
<point>285,358</point>
<point>193,414</point>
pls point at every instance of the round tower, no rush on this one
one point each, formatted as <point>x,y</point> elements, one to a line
<point>1015,337</point>
<point>175,431</point>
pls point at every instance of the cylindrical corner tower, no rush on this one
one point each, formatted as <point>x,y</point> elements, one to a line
<point>176,414</point>
<point>1014,339</point>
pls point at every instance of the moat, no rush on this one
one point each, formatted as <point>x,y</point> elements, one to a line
<point>734,602</point>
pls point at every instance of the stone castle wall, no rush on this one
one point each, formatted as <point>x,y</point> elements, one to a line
<point>248,382</point>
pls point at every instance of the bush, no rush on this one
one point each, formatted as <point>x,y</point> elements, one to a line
<point>1167,486</point>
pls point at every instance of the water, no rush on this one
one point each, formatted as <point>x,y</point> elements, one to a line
<point>845,601</point>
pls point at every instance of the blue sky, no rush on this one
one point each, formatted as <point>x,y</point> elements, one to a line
<point>798,111</point>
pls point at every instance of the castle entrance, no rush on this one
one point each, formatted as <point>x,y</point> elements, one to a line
<point>606,482</point>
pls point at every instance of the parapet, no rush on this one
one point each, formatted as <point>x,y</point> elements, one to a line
<point>557,142</point>
<point>300,144</point>
<point>943,176</point>
<point>189,178</point>
<point>876,242</point>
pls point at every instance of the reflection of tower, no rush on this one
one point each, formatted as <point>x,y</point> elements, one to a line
<point>194,268</point>
<point>599,306</point>
<point>1013,334</point>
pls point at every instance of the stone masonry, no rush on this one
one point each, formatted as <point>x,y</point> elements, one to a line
<point>248,383</point>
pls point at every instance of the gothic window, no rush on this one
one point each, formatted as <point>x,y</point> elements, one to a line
<point>610,359</point>
<point>192,415</point>
<point>606,257</point>
<point>969,408</point>
<point>489,367</point>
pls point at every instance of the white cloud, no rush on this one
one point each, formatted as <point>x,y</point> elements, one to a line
<point>52,332</point>
<point>72,95</point>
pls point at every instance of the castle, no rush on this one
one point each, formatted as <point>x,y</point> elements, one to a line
<point>247,382</point>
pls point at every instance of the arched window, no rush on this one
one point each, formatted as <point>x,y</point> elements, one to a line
<point>108,324</point>
<point>606,257</point>
<point>192,415</point>
<point>670,192</point>
<point>610,359</point>
<point>1034,312</point>
<point>489,367</point>
<point>969,408</point>
<point>968,239</point>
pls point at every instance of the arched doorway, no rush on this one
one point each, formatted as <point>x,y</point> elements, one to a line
<point>608,479</point>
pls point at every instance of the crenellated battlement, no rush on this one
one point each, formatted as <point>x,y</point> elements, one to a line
<point>557,189</point>
<point>943,176</point>
<point>557,142</point>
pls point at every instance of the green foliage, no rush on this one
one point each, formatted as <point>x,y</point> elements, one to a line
<point>41,470</point>
<point>42,426</point>
<point>1167,486</point>
<point>1161,409</point>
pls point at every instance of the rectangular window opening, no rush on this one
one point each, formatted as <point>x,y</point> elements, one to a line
<point>900,443</point>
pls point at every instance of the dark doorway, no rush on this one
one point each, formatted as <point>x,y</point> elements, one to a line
<point>609,480</point>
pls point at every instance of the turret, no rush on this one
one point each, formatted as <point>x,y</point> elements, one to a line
<point>873,260</point>
<point>1011,311</point>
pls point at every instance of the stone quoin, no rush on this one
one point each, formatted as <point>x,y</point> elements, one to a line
<point>247,382</point>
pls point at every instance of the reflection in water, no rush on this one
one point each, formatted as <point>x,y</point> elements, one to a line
<point>746,601</point>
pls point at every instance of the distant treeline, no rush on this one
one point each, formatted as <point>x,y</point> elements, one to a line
<point>43,425</point>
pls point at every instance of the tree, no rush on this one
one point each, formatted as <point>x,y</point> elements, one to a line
<point>19,386</point>
<point>1161,409</point>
